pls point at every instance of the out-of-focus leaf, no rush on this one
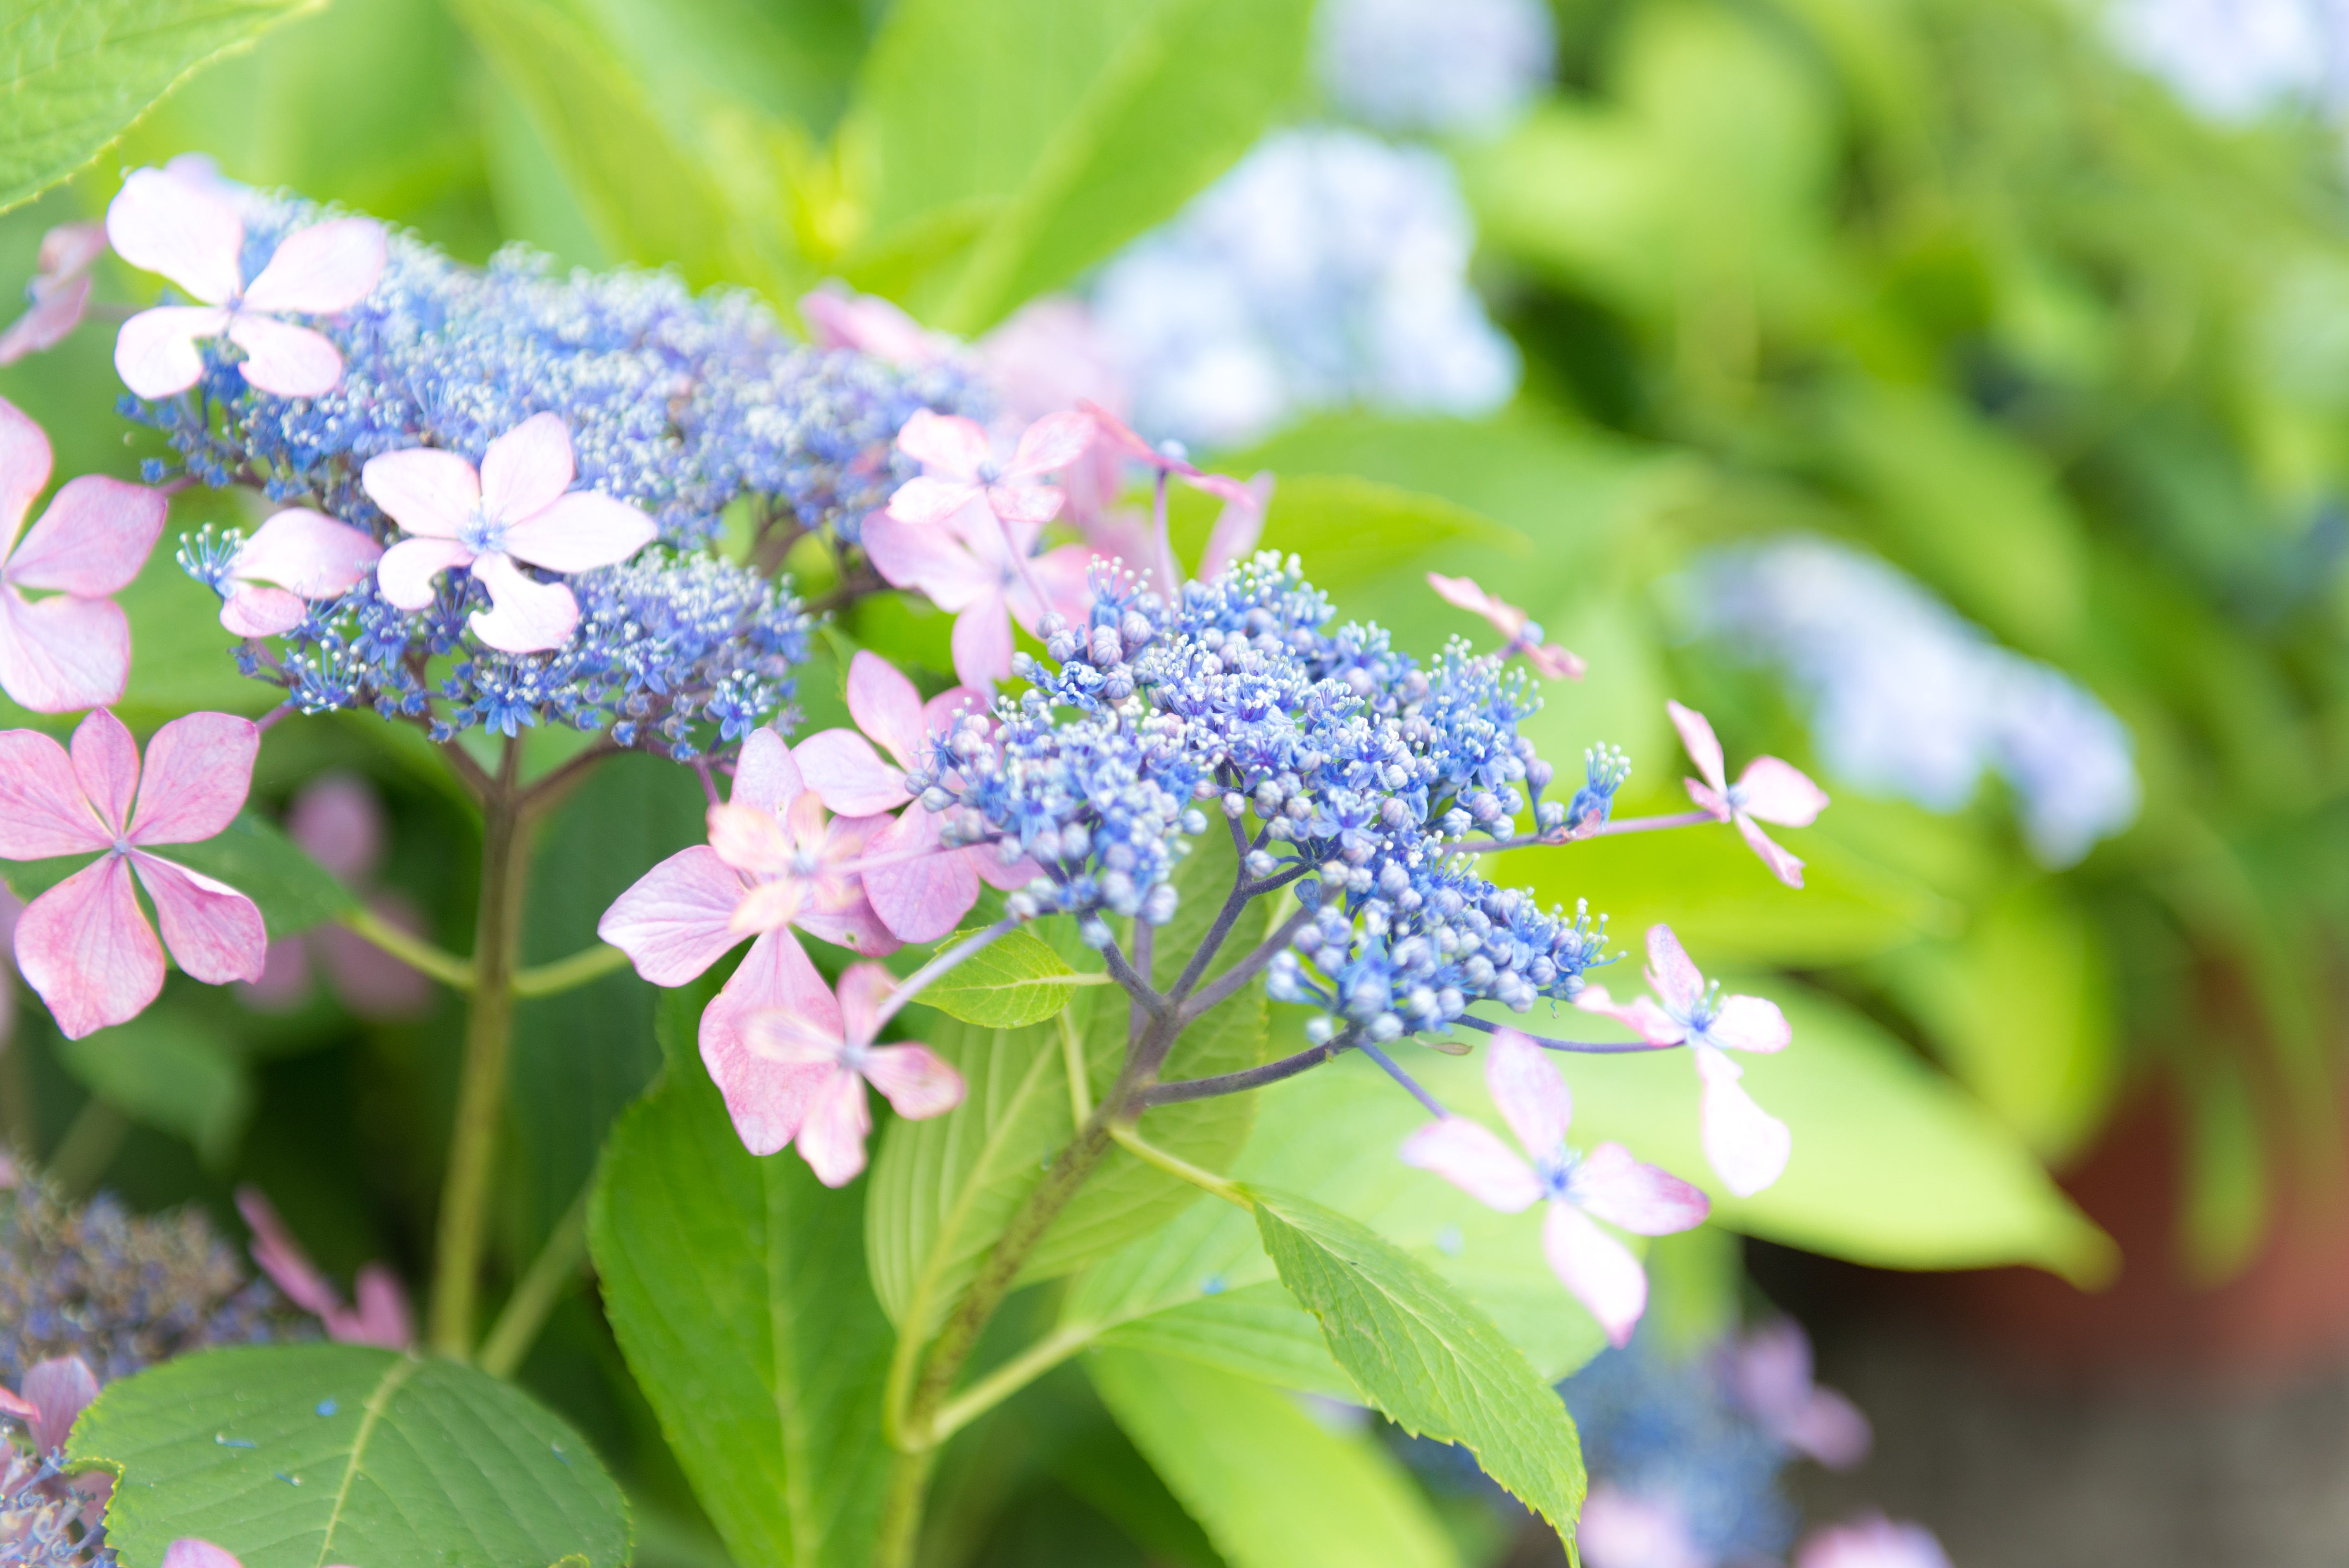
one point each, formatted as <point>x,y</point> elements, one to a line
<point>1013,981</point>
<point>2020,1008</point>
<point>1041,136</point>
<point>2226,1213</point>
<point>1273,1488</point>
<point>737,1289</point>
<point>77,73</point>
<point>292,1455</point>
<point>1424,1355</point>
<point>170,1072</point>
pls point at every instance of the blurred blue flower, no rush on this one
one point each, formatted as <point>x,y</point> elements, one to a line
<point>1433,66</point>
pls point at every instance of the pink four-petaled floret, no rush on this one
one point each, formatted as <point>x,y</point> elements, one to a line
<point>1769,791</point>
<point>1872,1542</point>
<point>1608,1182</point>
<point>381,1317</point>
<point>297,556</point>
<point>83,945</point>
<point>1770,1369</point>
<point>164,222</point>
<point>519,506</point>
<point>1746,1145</point>
<point>71,650</point>
<point>824,1050</point>
<point>978,569</point>
<point>60,290</point>
<point>1521,635</point>
<point>960,467</point>
<point>1618,1529</point>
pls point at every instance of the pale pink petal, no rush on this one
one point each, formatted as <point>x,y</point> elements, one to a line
<point>674,922</point>
<point>1596,1269</point>
<point>832,1138</point>
<point>749,838</point>
<point>61,1388</point>
<point>1472,1156</point>
<point>155,352</point>
<point>324,268</point>
<point>921,899</point>
<point>918,1084</point>
<point>1643,1017</point>
<point>926,500</point>
<point>1781,792</point>
<point>11,1404</point>
<point>382,1319</point>
<point>54,314</point>
<point>159,224</point>
<point>106,765</point>
<point>198,770</point>
<point>1672,973</point>
<point>188,1552</point>
<point>251,611</point>
<point>404,576</point>
<point>1830,1429</point>
<point>1052,442</point>
<point>1063,576</point>
<point>1749,1023</point>
<point>886,706</point>
<point>424,490</point>
<point>942,712</point>
<point>1238,527</point>
<point>1527,1090</point>
<point>581,531</point>
<point>25,462</point>
<point>86,950</point>
<point>1872,1542</point>
<point>337,821</point>
<point>213,931</point>
<point>927,557</point>
<point>1619,1531</point>
<point>1642,1199</point>
<point>1463,592</point>
<point>870,324</point>
<point>766,1102</point>
<point>772,906</point>
<point>1116,433</point>
<point>765,775</point>
<point>995,874</point>
<point>1708,799</point>
<point>527,469</point>
<point>525,617</point>
<point>848,775</point>
<point>70,249</point>
<point>1747,1147</point>
<point>309,552</point>
<point>281,1256</point>
<point>1026,503</point>
<point>982,643</point>
<point>1556,663</point>
<point>63,654</point>
<point>785,1038</point>
<point>852,925</point>
<point>1783,865</point>
<point>864,989</point>
<point>952,446</point>
<point>1703,747</point>
<point>42,809</point>
<point>283,359</point>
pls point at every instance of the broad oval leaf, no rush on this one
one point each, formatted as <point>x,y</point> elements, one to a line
<point>292,1455</point>
<point>1012,982</point>
<point>737,1289</point>
<point>1424,1354</point>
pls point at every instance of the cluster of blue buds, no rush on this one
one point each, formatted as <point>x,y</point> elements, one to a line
<point>1347,770</point>
<point>46,1522</point>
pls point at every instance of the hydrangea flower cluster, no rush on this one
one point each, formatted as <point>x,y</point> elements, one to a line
<point>1908,698</point>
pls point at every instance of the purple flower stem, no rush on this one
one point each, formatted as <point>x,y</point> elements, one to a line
<point>1185,1089</point>
<point>1586,1048</point>
<point>941,962</point>
<point>1434,1108</point>
<point>1241,972</point>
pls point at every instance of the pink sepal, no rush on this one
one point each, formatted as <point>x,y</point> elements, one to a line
<point>1472,1156</point>
<point>1747,1145</point>
<point>1598,1270</point>
<point>675,920</point>
<point>1645,1200</point>
<point>766,1102</point>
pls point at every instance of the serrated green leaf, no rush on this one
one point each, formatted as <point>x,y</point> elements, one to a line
<point>737,1289</point>
<point>1049,134</point>
<point>1272,1487</point>
<point>168,1071</point>
<point>1424,1353</point>
<point>253,855</point>
<point>292,1455</point>
<point>75,74</point>
<point>1012,982</point>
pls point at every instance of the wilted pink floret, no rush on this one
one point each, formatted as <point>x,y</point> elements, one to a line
<point>161,222</point>
<point>382,1317</point>
<point>84,945</point>
<point>1768,790</point>
<point>1770,1369</point>
<point>297,556</point>
<point>1238,527</point>
<point>960,467</point>
<point>71,650</point>
<point>1746,1145</point>
<point>919,888</point>
<point>823,1048</point>
<point>1522,634</point>
<point>339,822</point>
<point>977,568</point>
<point>839,318</point>
<point>51,1398</point>
<point>60,290</point>
<point>1618,1529</point>
<point>518,507</point>
<point>1608,1182</point>
<point>1872,1542</point>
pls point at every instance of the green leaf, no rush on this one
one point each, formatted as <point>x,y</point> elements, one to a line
<point>290,1456</point>
<point>253,855</point>
<point>1012,982</point>
<point>1424,1354</point>
<point>737,1289</point>
<point>168,1071</point>
<point>1272,1486</point>
<point>1017,142</point>
<point>78,72</point>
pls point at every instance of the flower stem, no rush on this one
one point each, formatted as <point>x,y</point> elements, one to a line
<point>417,954</point>
<point>939,964</point>
<point>1435,1107</point>
<point>481,1088</point>
<point>563,974</point>
<point>1174,1165</point>
<point>549,1275</point>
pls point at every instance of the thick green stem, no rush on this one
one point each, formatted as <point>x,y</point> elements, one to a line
<point>556,1266</point>
<point>481,1088</point>
<point>413,951</point>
